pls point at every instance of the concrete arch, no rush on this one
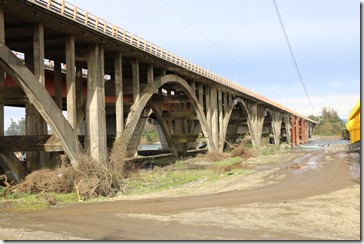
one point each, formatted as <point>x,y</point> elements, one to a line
<point>42,101</point>
<point>287,124</point>
<point>228,117</point>
<point>271,127</point>
<point>149,90</point>
<point>164,128</point>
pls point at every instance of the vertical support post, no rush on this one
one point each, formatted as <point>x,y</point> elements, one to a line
<point>303,131</point>
<point>214,117</point>
<point>225,102</point>
<point>293,131</point>
<point>208,107</point>
<point>276,126</point>
<point>136,80</point>
<point>200,95</point>
<point>2,77</point>
<point>119,105</point>
<point>256,123</point>
<point>35,124</point>
<point>297,131</point>
<point>150,74</point>
<point>193,86</point>
<point>79,98</point>
<point>58,83</point>
<point>169,121</point>
<point>220,144</point>
<point>71,82</point>
<point>95,107</point>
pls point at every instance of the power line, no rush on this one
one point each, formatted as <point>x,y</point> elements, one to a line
<point>292,54</point>
<point>211,42</point>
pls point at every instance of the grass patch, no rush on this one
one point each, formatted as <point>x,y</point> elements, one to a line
<point>159,179</point>
<point>182,174</point>
<point>228,161</point>
<point>25,202</point>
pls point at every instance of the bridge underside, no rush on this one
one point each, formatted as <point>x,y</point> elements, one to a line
<point>89,91</point>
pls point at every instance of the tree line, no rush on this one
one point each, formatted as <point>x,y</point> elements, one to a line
<point>330,123</point>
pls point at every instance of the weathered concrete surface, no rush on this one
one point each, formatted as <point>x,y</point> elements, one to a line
<point>42,101</point>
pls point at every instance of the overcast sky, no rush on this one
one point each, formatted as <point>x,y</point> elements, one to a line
<point>242,40</point>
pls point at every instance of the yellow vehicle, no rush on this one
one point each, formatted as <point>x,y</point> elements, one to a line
<point>353,125</point>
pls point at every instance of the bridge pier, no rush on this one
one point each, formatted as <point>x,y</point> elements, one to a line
<point>35,124</point>
<point>277,127</point>
<point>119,103</point>
<point>95,138</point>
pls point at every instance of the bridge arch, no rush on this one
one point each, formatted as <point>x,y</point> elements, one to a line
<point>43,102</point>
<point>286,129</point>
<point>138,107</point>
<point>238,103</point>
<point>268,129</point>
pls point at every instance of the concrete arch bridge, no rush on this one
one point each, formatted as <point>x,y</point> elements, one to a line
<point>57,57</point>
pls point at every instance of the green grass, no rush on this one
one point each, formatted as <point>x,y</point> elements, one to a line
<point>158,179</point>
<point>228,161</point>
<point>21,201</point>
<point>180,174</point>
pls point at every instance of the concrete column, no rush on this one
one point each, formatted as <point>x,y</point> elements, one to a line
<point>80,113</point>
<point>193,86</point>
<point>293,131</point>
<point>119,105</point>
<point>230,100</point>
<point>200,95</point>
<point>2,42</point>
<point>276,126</point>
<point>303,131</point>
<point>58,83</point>
<point>136,81</point>
<point>150,74</point>
<point>255,123</point>
<point>95,140</point>
<point>214,117</point>
<point>38,46</point>
<point>225,102</point>
<point>35,124</point>
<point>208,107</point>
<point>169,122</point>
<point>297,131</point>
<point>221,119</point>
<point>71,82</point>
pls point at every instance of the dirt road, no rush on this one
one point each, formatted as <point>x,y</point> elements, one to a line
<point>312,197</point>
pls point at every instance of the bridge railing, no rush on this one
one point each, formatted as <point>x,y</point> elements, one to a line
<point>94,22</point>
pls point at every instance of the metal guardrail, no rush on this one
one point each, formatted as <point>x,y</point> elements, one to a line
<point>83,17</point>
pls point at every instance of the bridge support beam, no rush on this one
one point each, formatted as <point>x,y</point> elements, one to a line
<point>256,120</point>
<point>136,80</point>
<point>35,124</point>
<point>293,131</point>
<point>297,131</point>
<point>119,104</point>
<point>276,126</point>
<point>2,78</point>
<point>71,82</point>
<point>220,142</point>
<point>303,131</point>
<point>96,139</point>
<point>214,116</point>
